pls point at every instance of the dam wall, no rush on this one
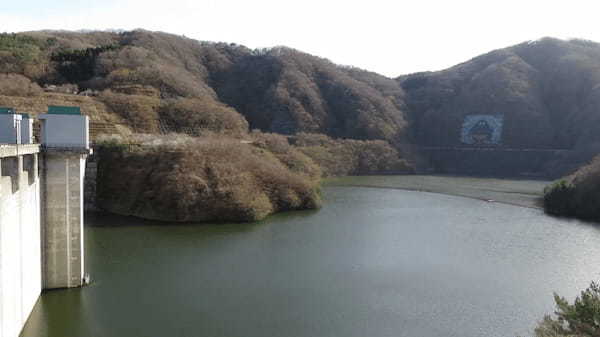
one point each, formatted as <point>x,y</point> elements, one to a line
<point>41,210</point>
<point>20,236</point>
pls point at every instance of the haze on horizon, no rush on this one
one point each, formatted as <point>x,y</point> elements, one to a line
<point>390,38</point>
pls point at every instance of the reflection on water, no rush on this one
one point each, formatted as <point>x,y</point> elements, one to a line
<point>372,262</point>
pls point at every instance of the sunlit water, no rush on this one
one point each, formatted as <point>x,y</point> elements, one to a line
<point>372,262</point>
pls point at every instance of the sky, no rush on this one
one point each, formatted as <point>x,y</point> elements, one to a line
<point>390,37</point>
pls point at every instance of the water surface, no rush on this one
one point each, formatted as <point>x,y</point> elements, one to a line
<point>372,262</point>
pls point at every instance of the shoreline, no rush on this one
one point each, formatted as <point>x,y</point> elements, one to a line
<point>515,192</point>
<point>446,193</point>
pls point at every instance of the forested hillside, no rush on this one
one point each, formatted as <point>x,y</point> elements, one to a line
<point>157,80</point>
<point>194,131</point>
<point>576,195</point>
<point>547,90</point>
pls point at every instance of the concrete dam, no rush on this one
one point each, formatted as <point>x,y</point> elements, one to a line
<point>41,209</point>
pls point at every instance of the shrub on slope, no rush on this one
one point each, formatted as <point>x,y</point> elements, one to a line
<point>339,157</point>
<point>204,179</point>
<point>18,85</point>
<point>140,111</point>
<point>577,195</point>
<point>197,115</point>
<point>580,319</point>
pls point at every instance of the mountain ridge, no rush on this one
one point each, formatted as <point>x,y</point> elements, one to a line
<point>547,90</point>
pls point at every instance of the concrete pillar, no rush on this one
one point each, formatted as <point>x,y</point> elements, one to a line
<point>62,214</point>
<point>10,168</point>
<point>10,253</point>
<point>31,271</point>
<point>26,130</point>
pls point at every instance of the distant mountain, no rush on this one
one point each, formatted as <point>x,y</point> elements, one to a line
<point>278,90</point>
<point>548,92</point>
<point>544,94</point>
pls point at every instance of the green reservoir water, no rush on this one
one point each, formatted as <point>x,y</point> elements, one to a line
<point>373,262</point>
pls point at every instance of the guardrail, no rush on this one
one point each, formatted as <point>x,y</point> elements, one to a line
<point>13,150</point>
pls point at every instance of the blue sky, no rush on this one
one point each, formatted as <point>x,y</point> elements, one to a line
<point>391,37</point>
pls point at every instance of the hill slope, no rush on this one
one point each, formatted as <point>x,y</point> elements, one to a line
<point>277,90</point>
<point>140,84</point>
<point>576,195</point>
<point>548,92</point>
